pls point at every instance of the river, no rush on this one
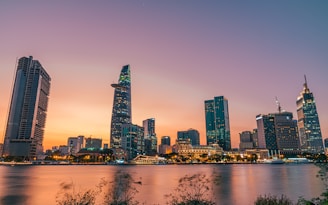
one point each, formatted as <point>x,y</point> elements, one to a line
<point>238,184</point>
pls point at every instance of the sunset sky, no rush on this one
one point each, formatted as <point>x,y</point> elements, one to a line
<point>181,53</point>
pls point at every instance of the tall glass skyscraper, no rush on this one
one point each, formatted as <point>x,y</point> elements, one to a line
<point>217,122</point>
<point>121,113</point>
<point>28,110</point>
<point>308,122</point>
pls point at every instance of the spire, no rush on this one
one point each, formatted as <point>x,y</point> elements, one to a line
<point>278,105</point>
<point>305,86</point>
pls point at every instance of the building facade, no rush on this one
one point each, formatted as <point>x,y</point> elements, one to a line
<point>150,137</point>
<point>93,143</point>
<point>217,122</point>
<point>28,110</point>
<point>246,140</point>
<point>166,140</point>
<point>121,113</point>
<point>266,132</point>
<point>75,144</point>
<point>277,132</point>
<point>132,140</point>
<point>286,133</point>
<point>308,122</point>
<point>191,134</point>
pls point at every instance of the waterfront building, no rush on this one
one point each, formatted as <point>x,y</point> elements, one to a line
<point>260,153</point>
<point>286,134</point>
<point>28,110</point>
<point>166,140</point>
<point>93,143</point>
<point>246,140</point>
<point>164,149</point>
<point>277,132</point>
<point>191,134</point>
<point>217,122</point>
<point>132,140</point>
<point>75,144</point>
<point>150,137</point>
<point>266,132</point>
<point>63,150</point>
<point>185,148</point>
<point>121,113</point>
<point>308,122</point>
<point>1,149</point>
<point>326,142</point>
<point>165,146</point>
<point>255,138</point>
<point>326,145</point>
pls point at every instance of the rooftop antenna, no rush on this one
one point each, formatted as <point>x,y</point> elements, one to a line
<point>305,89</point>
<point>278,104</point>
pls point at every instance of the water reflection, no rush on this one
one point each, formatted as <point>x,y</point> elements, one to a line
<point>15,185</point>
<point>239,184</point>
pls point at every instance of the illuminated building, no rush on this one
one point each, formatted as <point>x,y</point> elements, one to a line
<point>308,122</point>
<point>165,146</point>
<point>166,140</point>
<point>184,148</point>
<point>277,132</point>
<point>1,148</point>
<point>217,122</point>
<point>132,140</point>
<point>150,137</point>
<point>246,140</point>
<point>121,113</point>
<point>75,144</point>
<point>191,134</point>
<point>28,110</point>
<point>93,143</point>
<point>266,132</point>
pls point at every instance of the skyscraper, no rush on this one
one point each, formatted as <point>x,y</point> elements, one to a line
<point>308,122</point>
<point>28,110</point>
<point>266,132</point>
<point>150,137</point>
<point>277,132</point>
<point>132,140</point>
<point>121,113</point>
<point>217,122</point>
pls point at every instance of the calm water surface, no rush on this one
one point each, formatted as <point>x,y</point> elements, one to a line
<point>240,183</point>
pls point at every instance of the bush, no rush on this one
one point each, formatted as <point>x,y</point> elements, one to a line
<point>192,190</point>
<point>272,200</point>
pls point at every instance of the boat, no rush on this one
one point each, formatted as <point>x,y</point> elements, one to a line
<point>13,163</point>
<point>298,160</point>
<point>273,161</point>
<point>144,159</point>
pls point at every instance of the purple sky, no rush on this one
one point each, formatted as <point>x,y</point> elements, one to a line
<point>181,53</point>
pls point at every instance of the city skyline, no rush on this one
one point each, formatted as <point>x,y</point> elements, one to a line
<point>181,53</point>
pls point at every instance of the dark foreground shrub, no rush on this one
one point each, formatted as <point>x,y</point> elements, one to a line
<point>192,190</point>
<point>272,200</point>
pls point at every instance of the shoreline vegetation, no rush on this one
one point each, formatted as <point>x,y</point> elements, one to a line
<point>196,189</point>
